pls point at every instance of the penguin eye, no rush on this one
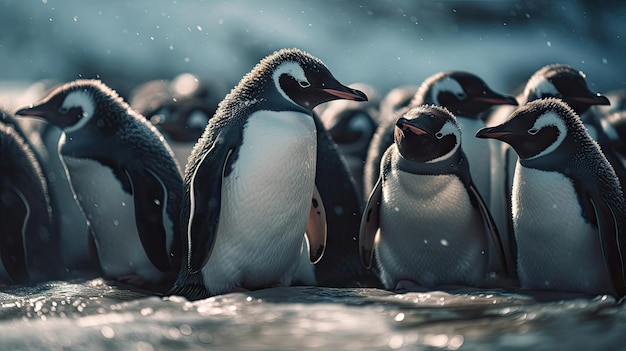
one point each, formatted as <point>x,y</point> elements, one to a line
<point>304,84</point>
<point>533,131</point>
<point>62,110</point>
<point>439,135</point>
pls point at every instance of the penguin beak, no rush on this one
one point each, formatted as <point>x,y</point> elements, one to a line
<point>497,99</point>
<point>343,92</point>
<point>406,125</point>
<point>496,132</point>
<point>596,99</point>
<point>42,110</point>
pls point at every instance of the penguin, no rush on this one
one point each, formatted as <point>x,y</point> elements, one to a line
<point>425,220</point>
<point>124,177</point>
<point>180,108</point>
<point>568,209</point>
<point>249,194</point>
<point>468,97</point>
<point>29,238</point>
<point>340,266</point>
<point>554,80</point>
<point>351,125</point>
<point>396,99</point>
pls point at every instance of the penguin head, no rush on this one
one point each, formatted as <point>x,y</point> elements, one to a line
<point>299,77</point>
<point>462,93</point>
<point>427,133</point>
<point>72,106</point>
<point>180,108</point>
<point>538,128</point>
<point>563,82</point>
<point>349,126</point>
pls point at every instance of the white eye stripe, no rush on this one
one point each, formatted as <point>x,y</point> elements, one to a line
<point>292,69</point>
<point>448,85</point>
<point>449,128</point>
<point>550,118</point>
<point>83,100</point>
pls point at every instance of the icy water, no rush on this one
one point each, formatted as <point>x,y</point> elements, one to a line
<point>103,315</point>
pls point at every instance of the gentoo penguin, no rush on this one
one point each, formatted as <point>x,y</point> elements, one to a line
<point>425,219</point>
<point>468,97</point>
<point>351,125</point>
<point>569,215</point>
<point>124,176</point>
<point>555,80</point>
<point>249,187</point>
<point>28,236</point>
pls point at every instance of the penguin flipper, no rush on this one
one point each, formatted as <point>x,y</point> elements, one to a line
<point>150,198</point>
<point>316,228</point>
<point>490,226</point>
<point>612,244</point>
<point>206,199</point>
<point>370,223</point>
<point>15,213</point>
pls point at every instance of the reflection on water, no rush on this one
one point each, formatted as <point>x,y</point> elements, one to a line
<point>102,315</point>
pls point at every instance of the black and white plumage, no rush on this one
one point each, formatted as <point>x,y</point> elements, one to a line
<point>568,210</point>
<point>425,219</point>
<point>249,186</point>
<point>554,80</point>
<point>124,176</point>
<point>29,236</point>
<point>468,97</point>
<point>351,125</point>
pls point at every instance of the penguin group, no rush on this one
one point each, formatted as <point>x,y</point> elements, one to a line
<point>294,178</point>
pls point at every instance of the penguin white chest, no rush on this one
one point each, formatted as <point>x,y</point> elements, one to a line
<point>557,248</point>
<point>429,232</point>
<point>265,203</point>
<point>110,212</point>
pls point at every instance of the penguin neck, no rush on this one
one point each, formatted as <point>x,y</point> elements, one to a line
<point>455,164</point>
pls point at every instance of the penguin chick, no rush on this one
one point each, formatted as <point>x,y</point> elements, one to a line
<point>124,177</point>
<point>249,185</point>
<point>425,219</point>
<point>568,211</point>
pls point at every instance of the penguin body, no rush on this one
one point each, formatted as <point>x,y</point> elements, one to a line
<point>124,176</point>
<point>555,80</point>
<point>568,209</point>
<point>351,125</point>
<point>341,265</point>
<point>29,238</point>
<point>433,226</point>
<point>261,145</point>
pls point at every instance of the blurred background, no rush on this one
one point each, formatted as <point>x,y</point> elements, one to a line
<point>382,43</point>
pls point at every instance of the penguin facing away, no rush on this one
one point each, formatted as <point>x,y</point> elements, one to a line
<point>124,176</point>
<point>569,215</point>
<point>28,239</point>
<point>249,186</point>
<point>425,220</point>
